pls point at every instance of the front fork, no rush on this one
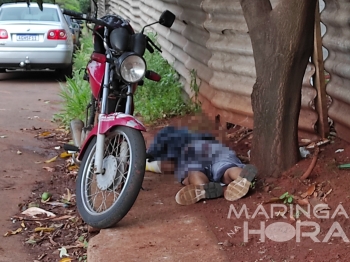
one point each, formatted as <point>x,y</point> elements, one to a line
<point>101,137</point>
<point>98,168</point>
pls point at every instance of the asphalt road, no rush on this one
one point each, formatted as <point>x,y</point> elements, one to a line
<point>27,100</point>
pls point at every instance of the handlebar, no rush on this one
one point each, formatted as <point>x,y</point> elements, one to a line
<point>149,47</point>
<point>82,16</point>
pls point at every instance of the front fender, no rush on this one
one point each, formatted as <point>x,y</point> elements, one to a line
<point>106,123</point>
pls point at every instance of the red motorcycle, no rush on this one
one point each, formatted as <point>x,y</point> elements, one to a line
<point>112,151</point>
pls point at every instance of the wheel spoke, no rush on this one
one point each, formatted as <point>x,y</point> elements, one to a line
<point>101,200</point>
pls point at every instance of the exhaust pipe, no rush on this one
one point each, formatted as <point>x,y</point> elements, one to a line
<point>76,128</point>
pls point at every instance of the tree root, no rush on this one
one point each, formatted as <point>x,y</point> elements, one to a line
<point>312,165</point>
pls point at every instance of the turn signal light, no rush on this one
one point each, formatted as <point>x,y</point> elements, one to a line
<point>3,34</point>
<point>57,34</point>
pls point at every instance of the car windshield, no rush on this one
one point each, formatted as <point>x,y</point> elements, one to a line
<point>32,13</point>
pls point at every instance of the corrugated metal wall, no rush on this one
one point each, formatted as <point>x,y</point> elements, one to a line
<point>337,40</point>
<point>211,37</point>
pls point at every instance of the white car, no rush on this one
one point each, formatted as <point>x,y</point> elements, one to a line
<point>35,39</point>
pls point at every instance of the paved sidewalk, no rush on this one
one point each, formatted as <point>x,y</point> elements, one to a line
<point>157,229</point>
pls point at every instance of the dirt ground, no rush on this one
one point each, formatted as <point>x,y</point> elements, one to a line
<point>263,231</point>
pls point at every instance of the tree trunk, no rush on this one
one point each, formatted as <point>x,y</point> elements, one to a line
<point>282,40</point>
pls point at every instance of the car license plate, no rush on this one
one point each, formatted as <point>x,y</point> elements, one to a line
<point>27,37</point>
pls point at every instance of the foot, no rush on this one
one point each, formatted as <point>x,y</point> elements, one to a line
<point>240,187</point>
<point>193,193</point>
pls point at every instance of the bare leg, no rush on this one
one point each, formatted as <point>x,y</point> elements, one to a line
<point>231,174</point>
<point>238,181</point>
<point>197,187</point>
<point>195,178</point>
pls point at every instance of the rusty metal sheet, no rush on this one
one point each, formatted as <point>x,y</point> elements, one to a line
<point>335,16</point>
<point>211,37</point>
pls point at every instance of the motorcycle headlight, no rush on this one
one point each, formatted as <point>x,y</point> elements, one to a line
<point>132,68</point>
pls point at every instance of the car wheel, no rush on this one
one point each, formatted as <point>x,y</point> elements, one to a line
<point>64,73</point>
<point>2,70</point>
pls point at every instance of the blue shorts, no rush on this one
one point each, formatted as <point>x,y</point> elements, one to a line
<point>216,171</point>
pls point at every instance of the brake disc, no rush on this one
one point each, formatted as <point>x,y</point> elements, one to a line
<point>110,165</point>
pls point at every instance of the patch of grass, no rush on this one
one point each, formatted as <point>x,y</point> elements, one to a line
<point>76,95</point>
<point>157,100</point>
<point>76,92</point>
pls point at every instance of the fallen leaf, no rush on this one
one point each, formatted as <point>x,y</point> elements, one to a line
<point>50,169</point>
<point>339,150</point>
<point>322,142</point>
<point>51,241</point>
<point>23,225</point>
<point>305,140</point>
<point>318,205</point>
<point>74,167</point>
<point>31,241</point>
<point>33,204</point>
<point>51,160</point>
<point>55,203</point>
<point>34,211</point>
<point>328,192</point>
<point>309,191</point>
<point>67,197</point>
<point>19,152</point>
<point>66,259</point>
<point>62,218</point>
<point>9,233</point>
<point>344,166</point>
<point>45,134</point>
<point>65,155</point>
<point>63,252</point>
<point>44,229</point>
<point>303,202</point>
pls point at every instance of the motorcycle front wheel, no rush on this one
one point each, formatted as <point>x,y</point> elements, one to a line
<point>104,199</point>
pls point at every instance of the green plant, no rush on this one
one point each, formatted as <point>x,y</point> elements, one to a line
<point>76,93</point>
<point>164,99</point>
<point>252,185</point>
<point>287,198</point>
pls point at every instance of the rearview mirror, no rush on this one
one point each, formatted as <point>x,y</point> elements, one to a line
<point>167,18</point>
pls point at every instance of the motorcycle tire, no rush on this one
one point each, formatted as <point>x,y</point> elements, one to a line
<point>114,164</point>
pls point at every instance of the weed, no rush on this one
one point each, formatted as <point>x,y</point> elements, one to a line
<point>156,100</point>
<point>252,185</point>
<point>287,198</point>
<point>76,93</point>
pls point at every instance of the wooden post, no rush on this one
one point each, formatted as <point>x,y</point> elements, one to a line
<point>319,78</point>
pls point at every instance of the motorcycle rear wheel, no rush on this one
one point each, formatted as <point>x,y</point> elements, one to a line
<point>103,200</point>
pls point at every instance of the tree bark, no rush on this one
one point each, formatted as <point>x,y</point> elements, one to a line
<point>282,40</point>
